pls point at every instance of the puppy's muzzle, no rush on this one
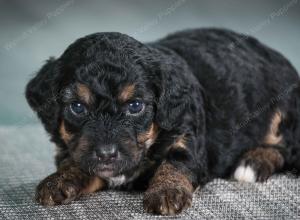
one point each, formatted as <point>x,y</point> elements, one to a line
<point>107,153</point>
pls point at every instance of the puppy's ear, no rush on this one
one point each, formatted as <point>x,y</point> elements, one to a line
<point>173,96</point>
<point>42,94</point>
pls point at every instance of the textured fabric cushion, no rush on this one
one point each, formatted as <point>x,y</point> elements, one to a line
<point>26,156</point>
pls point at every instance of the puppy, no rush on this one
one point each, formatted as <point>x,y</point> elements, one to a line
<point>166,117</point>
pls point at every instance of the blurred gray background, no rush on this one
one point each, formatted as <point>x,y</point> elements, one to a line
<point>33,30</point>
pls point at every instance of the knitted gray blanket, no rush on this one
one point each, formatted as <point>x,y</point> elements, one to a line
<point>26,156</point>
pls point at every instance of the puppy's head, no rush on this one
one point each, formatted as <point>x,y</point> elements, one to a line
<point>106,99</point>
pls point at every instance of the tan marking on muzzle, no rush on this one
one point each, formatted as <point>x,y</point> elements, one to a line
<point>65,135</point>
<point>148,138</point>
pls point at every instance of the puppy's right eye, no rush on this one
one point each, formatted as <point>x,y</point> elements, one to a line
<point>135,107</point>
<point>77,108</point>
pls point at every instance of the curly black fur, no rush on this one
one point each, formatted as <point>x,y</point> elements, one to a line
<point>214,91</point>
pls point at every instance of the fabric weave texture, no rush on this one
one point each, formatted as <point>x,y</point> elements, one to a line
<point>26,157</point>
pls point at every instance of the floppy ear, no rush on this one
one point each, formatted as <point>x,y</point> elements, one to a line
<point>174,95</point>
<point>42,94</point>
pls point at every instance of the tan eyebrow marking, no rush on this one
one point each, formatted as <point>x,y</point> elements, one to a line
<point>126,93</point>
<point>84,93</point>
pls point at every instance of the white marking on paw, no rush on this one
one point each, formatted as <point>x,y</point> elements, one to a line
<point>245,174</point>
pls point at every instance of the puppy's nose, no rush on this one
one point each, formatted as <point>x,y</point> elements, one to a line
<point>107,152</point>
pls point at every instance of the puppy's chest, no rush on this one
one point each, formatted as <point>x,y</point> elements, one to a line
<point>139,176</point>
<point>122,180</point>
<point>117,181</point>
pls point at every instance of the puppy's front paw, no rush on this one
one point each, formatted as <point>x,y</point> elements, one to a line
<point>167,201</point>
<point>57,189</point>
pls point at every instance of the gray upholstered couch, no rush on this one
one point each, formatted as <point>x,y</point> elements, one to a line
<point>26,156</point>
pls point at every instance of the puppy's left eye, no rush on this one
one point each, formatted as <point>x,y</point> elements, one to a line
<point>77,108</point>
<point>135,107</point>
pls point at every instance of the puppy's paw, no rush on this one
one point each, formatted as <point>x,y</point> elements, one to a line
<point>167,201</point>
<point>258,165</point>
<point>57,189</point>
<point>252,170</point>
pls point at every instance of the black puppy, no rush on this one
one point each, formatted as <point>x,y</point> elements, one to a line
<point>166,116</point>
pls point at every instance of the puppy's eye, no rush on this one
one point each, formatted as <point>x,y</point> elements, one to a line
<point>77,108</point>
<point>135,107</point>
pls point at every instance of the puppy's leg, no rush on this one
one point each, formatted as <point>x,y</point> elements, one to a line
<point>258,164</point>
<point>170,191</point>
<point>65,185</point>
